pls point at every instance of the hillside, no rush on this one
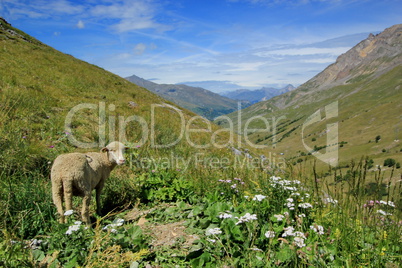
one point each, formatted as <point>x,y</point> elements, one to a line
<point>254,96</point>
<point>363,87</point>
<point>196,99</point>
<point>40,87</point>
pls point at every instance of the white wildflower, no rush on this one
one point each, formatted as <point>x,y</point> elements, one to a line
<point>270,234</point>
<point>299,242</point>
<point>246,218</point>
<point>299,234</point>
<point>211,240</point>
<point>73,228</point>
<point>318,229</point>
<point>116,223</point>
<point>279,217</point>
<point>68,212</point>
<point>301,215</point>
<point>290,188</point>
<point>259,197</point>
<point>389,203</point>
<point>223,215</point>
<point>213,231</point>
<point>305,205</point>
<point>382,212</point>
<point>256,249</point>
<point>288,231</point>
<point>330,200</point>
<point>290,203</point>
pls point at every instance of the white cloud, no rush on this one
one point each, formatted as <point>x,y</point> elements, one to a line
<point>80,24</point>
<point>41,9</point>
<point>130,15</point>
<point>303,51</point>
<point>139,49</point>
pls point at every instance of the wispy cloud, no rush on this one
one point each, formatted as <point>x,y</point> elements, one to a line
<point>129,15</point>
<point>80,24</point>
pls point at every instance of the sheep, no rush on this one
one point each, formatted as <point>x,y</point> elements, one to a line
<point>79,173</point>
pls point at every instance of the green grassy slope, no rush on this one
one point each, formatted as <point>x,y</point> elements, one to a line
<point>39,86</point>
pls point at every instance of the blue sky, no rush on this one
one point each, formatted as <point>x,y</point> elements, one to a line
<point>217,44</point>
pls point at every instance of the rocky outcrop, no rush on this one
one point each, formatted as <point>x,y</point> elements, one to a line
<point>370,58</point>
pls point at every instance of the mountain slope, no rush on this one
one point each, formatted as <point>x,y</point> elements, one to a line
<point>198,100</point>
<point>367,60</point>
<point>51,102</point>
<point>254,96</point>
<point>364,90</point>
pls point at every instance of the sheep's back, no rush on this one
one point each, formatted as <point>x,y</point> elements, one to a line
<point>69,165</point>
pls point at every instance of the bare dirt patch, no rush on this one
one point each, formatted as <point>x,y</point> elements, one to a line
<point>163,234</point>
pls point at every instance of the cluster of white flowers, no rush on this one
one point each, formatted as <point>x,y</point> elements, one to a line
<point>305,205</point>
<point>246,218</point>
<point>289,231</point>
<point>285,184</point>
<point>68,212</point>
<point>330,200</point>
<point>318,229</point>
<point>279,217</point>
<point>382,212</point>
<point>213,231</point>
<point>116,223</point>
<point>389,203</point>
<point>290,203</point>
<point>259,197</point>
<point>299,237</point>
<point>270,234</point>
<point>73,228</point>
<point>299,241</point>
<point>224,215</point>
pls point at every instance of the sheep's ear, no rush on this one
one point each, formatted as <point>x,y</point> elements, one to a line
<point>104,150</point>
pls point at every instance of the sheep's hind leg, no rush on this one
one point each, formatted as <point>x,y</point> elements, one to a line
<point>57,193</point>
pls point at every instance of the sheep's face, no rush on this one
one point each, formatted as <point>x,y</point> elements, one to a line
<point>116,152</point>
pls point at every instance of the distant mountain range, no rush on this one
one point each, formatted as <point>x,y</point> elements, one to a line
<point>199,100</point>
<point>254,96</point>
<point>207,103</point>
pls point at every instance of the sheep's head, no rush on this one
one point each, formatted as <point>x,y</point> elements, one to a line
<point>115,152</point>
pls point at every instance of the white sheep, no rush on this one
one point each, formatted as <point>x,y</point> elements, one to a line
<point>79,173</point>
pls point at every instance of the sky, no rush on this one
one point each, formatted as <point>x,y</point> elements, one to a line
<point>220,45</point>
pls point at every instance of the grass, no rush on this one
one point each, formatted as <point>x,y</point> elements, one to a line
<point>312,220</point>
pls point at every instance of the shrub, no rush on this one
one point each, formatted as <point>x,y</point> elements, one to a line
<point>389,162</point>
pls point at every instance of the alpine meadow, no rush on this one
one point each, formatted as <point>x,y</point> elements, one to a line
<point>309,178</point>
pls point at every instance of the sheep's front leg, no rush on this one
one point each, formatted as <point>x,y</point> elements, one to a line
<point>99,189</point>
<point>85,207</point>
